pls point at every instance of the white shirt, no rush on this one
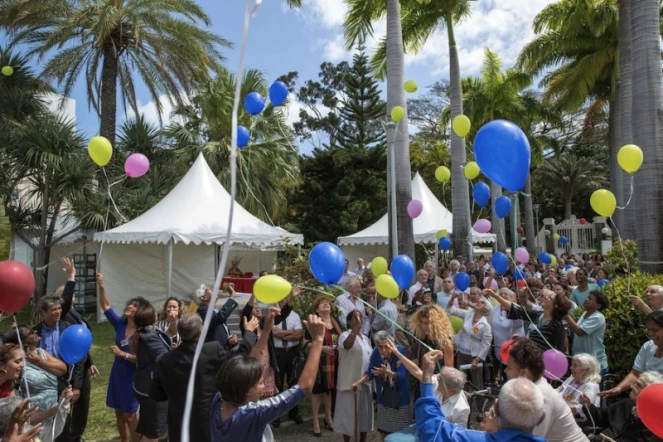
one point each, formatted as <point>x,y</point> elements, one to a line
<point>571,391</point>
<point>293,322</point>
<point>559,424</point>
<point>353,363</point>
<point>345,303</point>
<point>345,278</point>
<point>473,339</point>
<point>359,271</point>
<point>503,328</point>
<point>456,409</point>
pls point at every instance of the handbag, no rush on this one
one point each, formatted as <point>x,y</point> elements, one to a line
<point>298,367</point>
<point>391,397</point>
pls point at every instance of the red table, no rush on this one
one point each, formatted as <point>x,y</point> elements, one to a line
<point>242,285</point>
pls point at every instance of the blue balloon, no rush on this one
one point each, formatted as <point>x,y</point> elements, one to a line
<point>278,92</point>
<point>500,263</point>
<point>445,243</point>
<point>563,240</point>
<point>462,281</point>
<point>327,262</point>
<point>502,206</point>
<point>254,103</point>
<point>568,267</point>
<point>502,151</point>
<point>545,258</point>
<point>518,274</point>
<point>243,136</point>
<point>75,343</point>
<point>481,194</point>
<point>402,269</point>
<point>603,282</point>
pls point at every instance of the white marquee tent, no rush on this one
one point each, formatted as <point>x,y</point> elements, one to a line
<point>374,240</point>
<point>174,247</point>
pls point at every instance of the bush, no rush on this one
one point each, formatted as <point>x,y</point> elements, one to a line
<point>626,330</point>
<point>623,255</point>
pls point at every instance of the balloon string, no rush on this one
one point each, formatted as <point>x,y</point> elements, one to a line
<point>63,256</point>
<point>581,392</point>
<point>20,345</point>
<point>629,197</point>
<point>626,263</point>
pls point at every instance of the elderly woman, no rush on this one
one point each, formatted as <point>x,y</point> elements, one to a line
<point>391,384</point>
<point>171,312</point>
<point>590,328</point>
<point>503,328</point>
<point>585,378</point>
<point>653,300</point>
<point>620,421</point>
<point>354,354</point>
<point>474,339</point>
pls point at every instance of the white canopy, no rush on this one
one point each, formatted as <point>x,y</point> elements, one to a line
<point>196,211</point>
<point>434,217</point>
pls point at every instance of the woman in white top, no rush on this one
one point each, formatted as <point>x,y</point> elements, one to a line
<point>474,339</point>
<point>585,378</point>
<point>503,328</point>
<point>354,352</point>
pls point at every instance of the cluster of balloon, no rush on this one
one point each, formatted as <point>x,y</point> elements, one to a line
<point>461,125</point>
<point>326,262</point>
<point>410,86</point>
<point>379,266</point>
<point>100,150</point>
<point>500,262</point>
<point>17,284</point>
<point>440,234</point>
<point>555,364</point>
<point>505,351</point>
<point>414,208</point>
<point>482,226</point>
<point>472,170</point>
<point>603,202</point>
<point>445,243</point>
<point>136,165</point>
<point>502,206</point>
<point>544,258</point>
<point>522,255</point>
<point>481,194</point>
<point>503,153</point>
<point>563,240</point>
<point>7,71</point>
<point>493,283</point>
<point>442,174</point>
<point>270,289</point>
<point>402,268</point>
<point>462,281</point>
<point>649,404</point>
<point>75,343</point>
<point>397,113</point>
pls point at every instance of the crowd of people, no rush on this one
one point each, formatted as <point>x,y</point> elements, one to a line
<point>392,365</point>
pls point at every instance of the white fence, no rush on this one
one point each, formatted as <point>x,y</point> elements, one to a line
<point>581,237</point>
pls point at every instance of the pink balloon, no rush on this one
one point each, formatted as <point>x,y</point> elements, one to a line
<point>482,226</point>
<point>555,364</point>
<point>521,255</point>
<point>414,208</point>
<point>136,165</point>
<point>493,283</point>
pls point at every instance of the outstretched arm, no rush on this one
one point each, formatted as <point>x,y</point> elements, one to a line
<point>408,364</point>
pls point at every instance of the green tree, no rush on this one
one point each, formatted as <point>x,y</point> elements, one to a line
<point>107,40</point>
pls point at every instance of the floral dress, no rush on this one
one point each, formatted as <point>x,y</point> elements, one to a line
<point>269,378</point>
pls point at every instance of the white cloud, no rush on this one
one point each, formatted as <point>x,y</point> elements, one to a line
<point>151,114</point>
<point>292,110</point>
<point>61,106</point>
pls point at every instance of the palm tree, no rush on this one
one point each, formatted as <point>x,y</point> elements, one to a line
<point>107,40</point>
<point>569,176</point>
<point>267,169</point>
<point>647,126</point>
<point>624,91</point>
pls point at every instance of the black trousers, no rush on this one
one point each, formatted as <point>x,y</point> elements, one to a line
<point>80,412</point>
<point>285,359</point>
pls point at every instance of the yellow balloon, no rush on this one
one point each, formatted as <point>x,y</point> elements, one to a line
<point>442,174</point>
<point>461,125</point>
<point>386,286</point>
<point>441,234</point>
<point>411,86</point>
<point>472,170</point>
<point>7,71</point>
<point>100,150</point>
<point>630,158</point>
<point>556,236</point>
<point>270,289</point>
<point>553,260</point>
<point>456,323</point>
<point>397,113</point>
<point>379,266</point>
<point>603,202</point>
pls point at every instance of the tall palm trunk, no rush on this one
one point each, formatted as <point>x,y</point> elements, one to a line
<point>496,221</point>
<point>530,228</point>
<point>460,193</point>
<point>109,71</point>
<point>625,99</point>
<point>614,137</point>
<point>647,125</point>
<point>396,97</point>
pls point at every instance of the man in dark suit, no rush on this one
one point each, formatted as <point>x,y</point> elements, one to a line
<point>171,376</point>
<point>218,330</point>
<point>80,412</point>
<point>49,330</point>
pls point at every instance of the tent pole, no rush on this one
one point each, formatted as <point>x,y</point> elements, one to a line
<point>437,259</point>
<point>170,265</point>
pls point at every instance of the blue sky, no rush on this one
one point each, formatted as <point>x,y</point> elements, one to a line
<point>282,40</point>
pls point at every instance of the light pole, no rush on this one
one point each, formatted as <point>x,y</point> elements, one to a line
<point>536,211</point>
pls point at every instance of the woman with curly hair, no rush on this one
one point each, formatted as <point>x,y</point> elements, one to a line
<point>430,325</point>
<point>171,312</point>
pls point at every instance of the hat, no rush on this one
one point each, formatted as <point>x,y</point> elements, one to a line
<point>199,293</point>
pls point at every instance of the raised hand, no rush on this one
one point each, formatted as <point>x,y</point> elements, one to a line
<point>251,325</point>
<point>68,268</point>
<point>316,327</point>
<point>12,433</point>
<point>100,279</point>
<point>381,371</point>
<point>428,365</point>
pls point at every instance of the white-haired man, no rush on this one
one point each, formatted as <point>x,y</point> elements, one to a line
<point>518,410</point>
<point>434,282</point>
<point>350,301</point>
<point>653,300</point>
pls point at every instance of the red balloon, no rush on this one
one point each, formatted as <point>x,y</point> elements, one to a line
<point>17,283</point>
<point>505,350</point>
<point>520,230</point>
<point>521,283</point>
<point>582,220</point>
<point>650,402</point>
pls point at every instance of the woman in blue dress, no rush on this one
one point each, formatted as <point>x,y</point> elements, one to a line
<point>121,396</point>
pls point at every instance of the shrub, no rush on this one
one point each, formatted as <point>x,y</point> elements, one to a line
<point>623,255</point>
<point>626,330</point>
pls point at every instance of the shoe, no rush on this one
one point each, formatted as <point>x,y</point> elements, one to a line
<point>328,426</point>
<point>276,423</point>
<point>317,434</point>
<point>297,419</point>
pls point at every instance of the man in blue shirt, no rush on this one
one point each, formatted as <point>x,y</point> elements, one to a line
<point>517,411</point>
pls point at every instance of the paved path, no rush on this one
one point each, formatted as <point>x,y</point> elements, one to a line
<point>292,432</point>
